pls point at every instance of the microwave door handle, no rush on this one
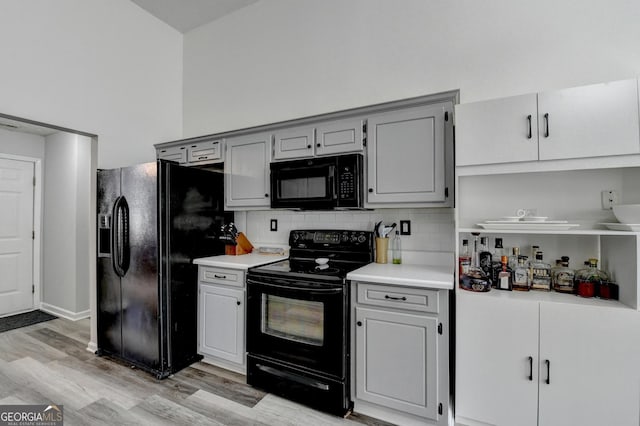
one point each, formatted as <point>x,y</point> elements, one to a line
<point>332,183</point>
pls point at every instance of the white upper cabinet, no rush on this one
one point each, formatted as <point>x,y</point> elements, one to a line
<point>589,121</point>
<point>338,137</point>
<point>406,157</point>
<point>246,171</point>
<point>295,142</point>
<point>497,131</point>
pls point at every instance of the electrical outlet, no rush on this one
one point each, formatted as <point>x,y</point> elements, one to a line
<point>405,227</point>
<point>274,225</point>
<point>610,197</point>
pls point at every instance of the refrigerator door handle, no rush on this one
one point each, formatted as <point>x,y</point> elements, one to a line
<point>120,236</point>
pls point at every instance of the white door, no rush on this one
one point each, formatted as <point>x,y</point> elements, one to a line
<point>592,375</point>
<point>222,323</point>
<point>496,359</point>
<point>589,121</point>
<point>396,361</point>
<point>497,131</point>
<point>16,236</point>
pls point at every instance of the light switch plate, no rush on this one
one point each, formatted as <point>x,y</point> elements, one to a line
<point>274,225</point>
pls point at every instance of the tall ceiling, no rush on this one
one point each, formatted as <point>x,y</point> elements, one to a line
<point>185,15</point>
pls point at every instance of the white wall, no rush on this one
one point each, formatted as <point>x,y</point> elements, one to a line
<point>24,144</point>
<point>284,59</point>
<point>67,225</point>
<point>102,67</point>
<point>431,240</point>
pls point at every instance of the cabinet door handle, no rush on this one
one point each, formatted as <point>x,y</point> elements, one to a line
<point>530,368</point>
<point>220,276</point>
<point>530,134</point>
<point>546,125</point>
<point>238,302</point>
<point>386,296</point>
<point>359,323</point>
<point>548,381</point>
<point>308,146</point>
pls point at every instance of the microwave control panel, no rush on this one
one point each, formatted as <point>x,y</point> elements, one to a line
<point>349,181</point>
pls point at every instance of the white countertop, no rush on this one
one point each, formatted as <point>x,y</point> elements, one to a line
<point>243,261</point>
<point>436,277</point>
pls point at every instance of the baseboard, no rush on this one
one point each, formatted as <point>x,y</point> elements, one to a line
<point>60,312</point>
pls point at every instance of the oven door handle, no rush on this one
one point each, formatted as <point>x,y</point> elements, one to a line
<point>293,377</point>
<point>287,286</point>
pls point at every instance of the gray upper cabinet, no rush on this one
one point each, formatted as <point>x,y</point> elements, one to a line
<point>246,171</point>
<point>176,153</point>
<point>295,142</point>
<point>205,151</point>
<point>340,136</point>
<point>324,138</point>
<point>201,152</point>
<point>407,157</point>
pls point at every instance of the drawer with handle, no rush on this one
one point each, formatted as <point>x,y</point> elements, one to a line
<point>414,299</point>
<point>231,277</point>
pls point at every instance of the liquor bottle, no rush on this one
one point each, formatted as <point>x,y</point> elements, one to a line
<point>475,279</point>
<point>484,257</point>
<point>540,273</point>
<point>513,259</point>
<point>562,278</point>
<point>588,280</point>
<point>521,275</point>
<point>496,264</point>
<point>464,260</point>
<point>396,249</point>
<point>504,276</point>
<point>534,250</point>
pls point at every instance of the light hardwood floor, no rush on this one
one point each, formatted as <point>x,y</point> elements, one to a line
<point>48,363</point>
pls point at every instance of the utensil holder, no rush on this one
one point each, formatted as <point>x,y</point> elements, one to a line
<point>382,247</point>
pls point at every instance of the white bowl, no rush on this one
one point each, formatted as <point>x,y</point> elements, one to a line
<point>627,213</point>
<point>322,260</point>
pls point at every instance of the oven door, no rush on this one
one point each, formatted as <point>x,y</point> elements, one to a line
<point>298,323</point>
<point>304,184</point>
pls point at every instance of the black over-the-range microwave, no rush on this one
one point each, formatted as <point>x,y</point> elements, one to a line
<point>320,183</point>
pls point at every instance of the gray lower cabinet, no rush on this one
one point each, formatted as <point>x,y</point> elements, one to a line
<point>221,317</point>
<point>400,358</point>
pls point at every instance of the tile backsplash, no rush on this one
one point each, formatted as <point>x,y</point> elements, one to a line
<point>432,230</point>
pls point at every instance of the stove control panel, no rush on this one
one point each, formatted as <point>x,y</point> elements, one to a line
<point>338,239</point>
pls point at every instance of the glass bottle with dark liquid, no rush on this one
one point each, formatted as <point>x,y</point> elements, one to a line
<point>475,279</point>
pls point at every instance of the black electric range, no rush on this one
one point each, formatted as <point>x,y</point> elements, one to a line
<point>298,318</point>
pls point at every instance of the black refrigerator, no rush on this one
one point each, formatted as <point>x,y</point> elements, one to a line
<point>153,220</point>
